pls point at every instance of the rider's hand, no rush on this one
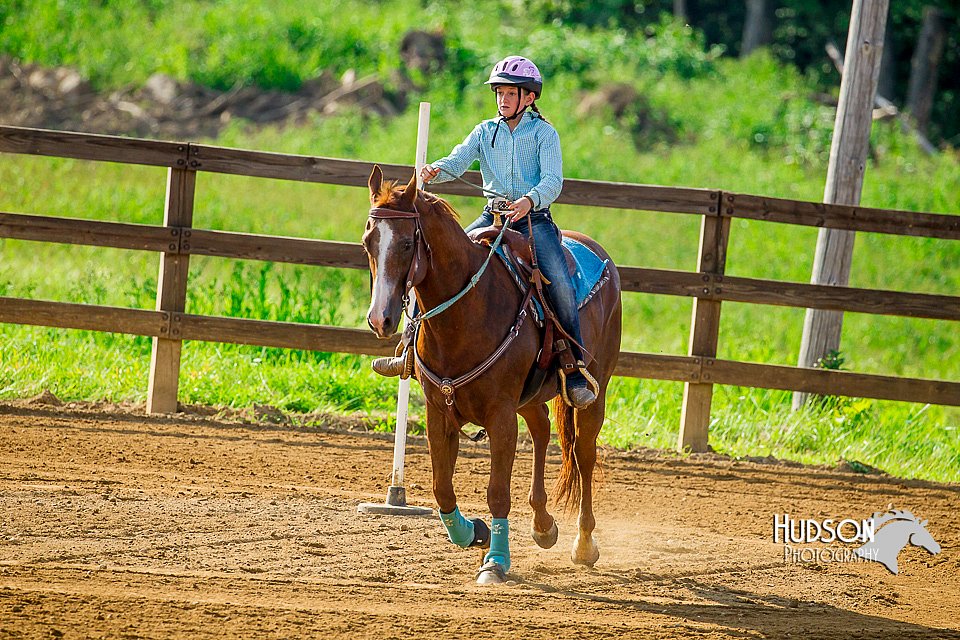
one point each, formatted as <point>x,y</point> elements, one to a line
<point>428,173</point>
<point>520,208</point>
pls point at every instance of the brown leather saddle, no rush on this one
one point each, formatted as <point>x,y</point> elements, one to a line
<point>555,353</point>
<point>518,246</point>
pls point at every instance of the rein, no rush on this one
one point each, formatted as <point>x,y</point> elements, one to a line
<point>474,185</point>
<point>417,271</point>
<point>415,275</point>
<point>538,279</point>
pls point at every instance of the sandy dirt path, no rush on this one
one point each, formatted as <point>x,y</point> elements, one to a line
<point>118,525</point>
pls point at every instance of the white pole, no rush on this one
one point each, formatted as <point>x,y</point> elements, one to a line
<point>396,503</point>
<point>403,393</point>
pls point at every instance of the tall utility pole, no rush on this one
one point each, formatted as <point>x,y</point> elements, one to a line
<point>848,155</point>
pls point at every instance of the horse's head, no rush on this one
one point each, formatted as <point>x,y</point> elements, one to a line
<point>898,528</point>
<point>393,240</point>
<point>922,538</point>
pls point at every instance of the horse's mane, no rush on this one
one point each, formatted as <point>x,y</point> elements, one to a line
<point>390,192</point>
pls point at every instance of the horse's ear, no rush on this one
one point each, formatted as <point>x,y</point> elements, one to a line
<point>409,194</point>
<point>375,182</point>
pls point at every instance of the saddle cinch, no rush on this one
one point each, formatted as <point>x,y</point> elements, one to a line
<point>516,252</point>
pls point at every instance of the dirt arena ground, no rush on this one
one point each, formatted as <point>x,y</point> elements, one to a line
<point>118,525</point>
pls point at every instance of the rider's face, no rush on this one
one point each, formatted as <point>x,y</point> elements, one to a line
<point>509,100</point>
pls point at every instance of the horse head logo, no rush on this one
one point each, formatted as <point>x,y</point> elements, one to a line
<point>899,528</point>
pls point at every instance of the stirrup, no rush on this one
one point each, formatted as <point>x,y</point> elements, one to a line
<point>591,382</point>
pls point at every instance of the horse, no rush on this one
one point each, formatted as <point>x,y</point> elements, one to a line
<point>902,527</point>
<point>414,241</point>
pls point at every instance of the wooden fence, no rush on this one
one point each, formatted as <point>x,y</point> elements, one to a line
<point>176,240</point>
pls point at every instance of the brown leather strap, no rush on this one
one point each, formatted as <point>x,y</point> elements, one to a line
<point>421,252</point>
<point>382,213</point>
<point>449,386</point>
<point>546,350</point>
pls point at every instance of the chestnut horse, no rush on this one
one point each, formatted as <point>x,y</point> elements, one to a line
<point>408,227</point>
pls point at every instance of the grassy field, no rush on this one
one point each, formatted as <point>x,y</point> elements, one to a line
<point>744,126</point>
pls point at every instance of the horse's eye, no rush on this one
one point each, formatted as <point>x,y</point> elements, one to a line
<point>408,245</point>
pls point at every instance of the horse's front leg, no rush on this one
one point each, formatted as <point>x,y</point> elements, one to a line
<point>443,440</point>
<point>502,431</point>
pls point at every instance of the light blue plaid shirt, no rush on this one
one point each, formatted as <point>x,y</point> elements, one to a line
<point>526,162</point>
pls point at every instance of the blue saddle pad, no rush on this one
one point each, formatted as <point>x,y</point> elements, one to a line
<point>587,279</point>
<point>590,269</point>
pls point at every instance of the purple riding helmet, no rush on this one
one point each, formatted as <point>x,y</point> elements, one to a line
<point>519,71</point>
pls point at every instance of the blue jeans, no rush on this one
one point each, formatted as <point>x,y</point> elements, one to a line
<point>550,259</point>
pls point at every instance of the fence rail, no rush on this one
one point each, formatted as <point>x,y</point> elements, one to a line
<point>177,240</point>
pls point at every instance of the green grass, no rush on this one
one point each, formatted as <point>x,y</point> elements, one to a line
<point>746,422</point>
<point>743,126</point>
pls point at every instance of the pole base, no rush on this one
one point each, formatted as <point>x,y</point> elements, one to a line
<point>395,505</point>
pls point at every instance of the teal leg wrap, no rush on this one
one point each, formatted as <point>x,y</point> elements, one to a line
<point>459,529</point>
<point>499,543</point>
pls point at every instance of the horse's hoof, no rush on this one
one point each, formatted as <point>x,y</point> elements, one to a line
<point>491,573</point>
<point>585,554</point>
<point>546,539</point>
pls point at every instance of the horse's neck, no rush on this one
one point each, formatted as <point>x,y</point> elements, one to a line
<point>455,260</point>
<point>454,256</point>
<point>897,532</point>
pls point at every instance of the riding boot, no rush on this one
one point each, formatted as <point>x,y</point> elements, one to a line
<point>550,258</point>
<point>390,367</point>
<point>402,360</point>
<point>579,392</point>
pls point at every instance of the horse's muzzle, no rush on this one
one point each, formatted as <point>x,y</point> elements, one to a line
<point>384,325</point>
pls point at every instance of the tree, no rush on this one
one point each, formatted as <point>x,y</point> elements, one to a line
<point>758,26</point>
<point>924,65</point>
<point>886,85</point>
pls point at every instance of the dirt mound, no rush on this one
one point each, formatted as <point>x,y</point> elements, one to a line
<point>60,98</point>
<point>123,525</point>
<point>45,399</point>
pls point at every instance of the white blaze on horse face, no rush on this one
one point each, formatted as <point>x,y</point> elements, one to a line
<point>382,300</point>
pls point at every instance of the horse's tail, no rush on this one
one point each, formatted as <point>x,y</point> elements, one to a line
<point>567,489</point>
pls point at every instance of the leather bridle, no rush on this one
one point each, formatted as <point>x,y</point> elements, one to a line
<point>421,250</point>
<point>415,275</point>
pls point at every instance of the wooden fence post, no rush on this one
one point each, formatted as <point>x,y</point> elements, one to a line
<point>171,293</point>
<point>848,161</point>
<point>704,332</point>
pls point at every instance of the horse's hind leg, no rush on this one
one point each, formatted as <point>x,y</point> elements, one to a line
<point>588,422</point>
<point>544,526</point>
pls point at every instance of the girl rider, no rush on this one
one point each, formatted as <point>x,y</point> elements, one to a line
<point>521,160</point>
